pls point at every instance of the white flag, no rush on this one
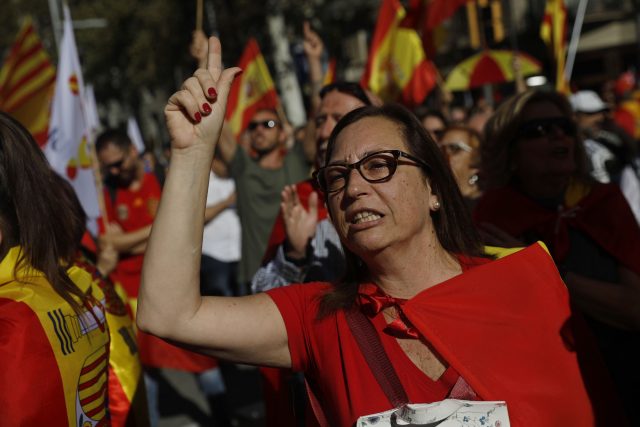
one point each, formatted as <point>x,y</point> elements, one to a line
<point>133,131</point>
<point>67,147</point>
<point>91,108</point>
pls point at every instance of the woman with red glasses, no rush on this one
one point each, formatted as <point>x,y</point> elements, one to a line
<point>538,188</point>
<point>420,315</point>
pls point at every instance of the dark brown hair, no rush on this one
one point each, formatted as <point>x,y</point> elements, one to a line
<point>501,132</point>
<point>114,137</point>
<point>452,222</point>
<point>35,211</point>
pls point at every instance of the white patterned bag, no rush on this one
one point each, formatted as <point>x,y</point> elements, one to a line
<point>446,413</point>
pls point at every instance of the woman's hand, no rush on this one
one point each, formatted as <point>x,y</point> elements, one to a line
<point>195,113</point>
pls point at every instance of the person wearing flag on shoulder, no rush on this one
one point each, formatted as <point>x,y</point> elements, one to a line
<point>54,345</point>
<point>537,187</point>
<point>452,322</point>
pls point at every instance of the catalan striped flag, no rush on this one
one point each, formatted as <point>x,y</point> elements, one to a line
<point>27,79</point>
<point>397,68</point>
<point>252,90</point>
<point>553,32</point>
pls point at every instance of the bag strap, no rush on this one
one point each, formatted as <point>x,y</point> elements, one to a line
<point>377,359</point>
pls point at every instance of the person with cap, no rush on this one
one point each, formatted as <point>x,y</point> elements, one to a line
<point>608,147</point>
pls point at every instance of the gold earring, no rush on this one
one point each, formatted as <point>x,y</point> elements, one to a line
<point>436,205</point>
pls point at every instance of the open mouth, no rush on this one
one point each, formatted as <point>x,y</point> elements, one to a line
<point>365,216</point>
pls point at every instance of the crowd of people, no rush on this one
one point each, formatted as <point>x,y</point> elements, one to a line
<point>374,258</point>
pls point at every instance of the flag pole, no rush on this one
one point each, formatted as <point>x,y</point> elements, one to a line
<point>55,21</point>
<point>575,38</point>
<point>199,15</point>
<point>513,37</point>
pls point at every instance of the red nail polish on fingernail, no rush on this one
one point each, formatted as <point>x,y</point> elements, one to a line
<point>197,117</point>
<point>212,92</point>
<point>206,108</point>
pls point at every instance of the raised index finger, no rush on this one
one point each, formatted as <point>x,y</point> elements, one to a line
<point>214,58</point>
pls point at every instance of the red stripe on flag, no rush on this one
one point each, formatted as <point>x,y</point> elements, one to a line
<point>88,368</point>
<point>440,10</point>
<point>43,66</point>
<point>90,382</point>
<point>250,53</point>
<point>24,98</point>
<point>17,61</point>
<point>95,396</point>
<point>389,10</point>
<point>422,82</point>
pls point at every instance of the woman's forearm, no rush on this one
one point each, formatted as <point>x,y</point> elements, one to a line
<point>170,282</point>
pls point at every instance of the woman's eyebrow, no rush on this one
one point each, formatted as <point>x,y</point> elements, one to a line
<point>361,156</point>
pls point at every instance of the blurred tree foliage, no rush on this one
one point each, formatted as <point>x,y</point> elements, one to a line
<point>145,44</point>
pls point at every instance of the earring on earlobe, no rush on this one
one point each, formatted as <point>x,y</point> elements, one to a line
<point>436,205</point>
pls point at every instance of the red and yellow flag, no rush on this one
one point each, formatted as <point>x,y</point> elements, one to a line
<point>397,68</point>
<point>252,90</point>
<point>440,10</point>
<point>553,32</point>
<point>27,79</point>
<point>330,74</point>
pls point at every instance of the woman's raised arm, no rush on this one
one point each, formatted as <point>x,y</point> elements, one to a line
<point>248,329</point>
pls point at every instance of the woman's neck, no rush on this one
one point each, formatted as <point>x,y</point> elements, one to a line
<point>404,275</point>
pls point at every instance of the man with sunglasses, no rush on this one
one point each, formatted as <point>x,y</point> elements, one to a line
<point>131,198</point>
<point>260,173</point>
<point>304,246</point>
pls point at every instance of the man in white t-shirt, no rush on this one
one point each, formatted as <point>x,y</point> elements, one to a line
<point>221,238</point>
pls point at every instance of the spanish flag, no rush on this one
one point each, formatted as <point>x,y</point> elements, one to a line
<point>330,74</point>
<point>441,10</point>
<point>27,80</point>
<point>553,32</point>
<point>397,68</point>
<point>251,91</point>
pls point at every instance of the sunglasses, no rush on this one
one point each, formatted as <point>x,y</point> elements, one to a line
<point>539,128</point>
<point>376,167</point>
<point>349,88</point>
<point>267,124</point>
<point>114,165</point>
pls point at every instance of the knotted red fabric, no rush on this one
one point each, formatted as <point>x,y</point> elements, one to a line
<point>373,300</point>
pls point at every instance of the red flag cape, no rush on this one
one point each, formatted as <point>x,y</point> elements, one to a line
<point>603,215</point>
<point>278,234</point>
<point>487,321</point>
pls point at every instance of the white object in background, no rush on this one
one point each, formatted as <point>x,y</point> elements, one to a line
<point>133,130</point>
<point>446,413</point>
<point>630,185</point>
<point>67,147</point>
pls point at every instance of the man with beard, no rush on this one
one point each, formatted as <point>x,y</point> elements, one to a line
<point>131,198</point>
<point>260,174</point>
